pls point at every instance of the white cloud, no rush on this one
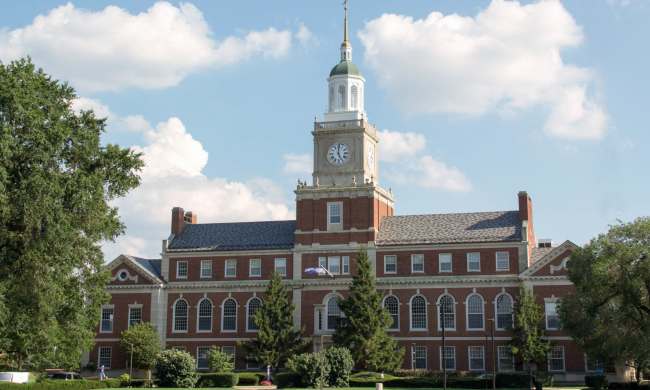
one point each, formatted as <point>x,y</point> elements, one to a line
<point>300,164</point>
<point>173,176</point>
<point>112,49</point>
<point>395,145</point>
<point>305,36</point>
<point>506,59</point>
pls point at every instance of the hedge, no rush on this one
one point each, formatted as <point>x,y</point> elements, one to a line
<point>286,379</point>
<point>250,378</point>
<point>629,386</point>
<point>219,379</point>
<point>596,381</point>
<point>81,384</point>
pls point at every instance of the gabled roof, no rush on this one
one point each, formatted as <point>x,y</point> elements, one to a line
<point>537,254</point>
<point>235,236</point>
<point>547,257</point>
<point>149,267</point>
<point>495,226</point>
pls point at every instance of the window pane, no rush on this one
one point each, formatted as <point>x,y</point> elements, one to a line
<point>390,264</point>
<point>420,356</point>
<point>253,306</point>
<point>334,210</point>
<point>475,312</point>
<point>346,265</point>
<point>206,268</point>
<point>333,313</point>
<point>444,260</point>
<point>255,267</point>
<point>476,358</point>
<point>135,315</point>
<point>556,358</point>
<point>322,262</point>
<point>447,312</point>
<point>503,261</point>
<point>229,315</point>
<point>202,357</point>
<point>181,269</point>
<point>418,313</point>
<point>205,315</point>
<point>417,263</point>
<point>229,350</point>
<point>392,306</point>
<point>506,359</point>
<point>107,320</point>
<point>552,317</point>
<point>180,316</point>
<point>105,355</point>
<point>281,266</point>
<point>504,312</point>
<point>334,264</point>
<point>474,261</point>
<point>231,268</point>
<point>448,357</point>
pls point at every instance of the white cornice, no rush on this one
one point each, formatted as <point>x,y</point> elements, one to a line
<point>126,259</point>
<point>547,258</point>
<point>209,252</point>
<point>450,246</point>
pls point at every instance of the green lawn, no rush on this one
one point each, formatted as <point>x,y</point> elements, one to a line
<point>372,388</point>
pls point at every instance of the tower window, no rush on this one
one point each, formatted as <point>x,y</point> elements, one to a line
<point>343,103</point>
<point>354,97</point>
<point>331,99</point>
<point>334,213</point>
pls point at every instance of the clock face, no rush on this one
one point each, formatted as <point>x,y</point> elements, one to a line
<point>371,156</point>
<point>338,154</point>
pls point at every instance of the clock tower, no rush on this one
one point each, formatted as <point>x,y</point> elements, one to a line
<point>344,202</point>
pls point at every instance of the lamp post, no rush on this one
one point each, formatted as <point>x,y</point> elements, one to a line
<point>443,353</point>
<point>130,362</point>
<point>494,356</point>
<point>413,356</point>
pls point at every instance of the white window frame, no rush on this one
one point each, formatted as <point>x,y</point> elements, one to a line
<point>345,265</point>
<point>547,304</point>
<point>469,357</point>
<point>469,261</point>
<point>225,349</point>
<point>467,313</point>
<point>322,262</point>
<point>441,262</point>
<point>207,357</point>
<point>507,259</point>
<point>327,314</point>
<point>248,329</point>
<point>111,319</point>
<point>258,267</point>
<point>198,316</point>
<point>453,302</point>
<point>223,304</point>
<point>99,356</point>
<point>426,314</point>
<point>413,257</point>
<point>512,355</point>
<point>453,348</point>
<point>414,351</point>
<point>187,324</point>
<point>393,259</point>
<point>330,214</point>
<point>496,310</point>
<point>550,358</point>
<point>226,267</point>
<point>178,268</point>
<point>134,306</point>
<point>383,304</point>
<point>206,275</point>
<point>331,260</point>
<point>279,260</point>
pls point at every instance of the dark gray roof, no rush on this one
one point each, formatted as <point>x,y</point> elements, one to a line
<point>537,253</point>
<point>235,236</point>
<point>496,226</point>
<point>151,265</point>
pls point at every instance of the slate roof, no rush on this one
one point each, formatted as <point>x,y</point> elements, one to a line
<point>235,236</point>
<point>537,253</point>
<point>496,226</point>
<point>151,265</point>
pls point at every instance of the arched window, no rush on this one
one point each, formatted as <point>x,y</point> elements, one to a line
<point>354,97</point>
<point>343,103</point>
<point>253,306</point>
<point>474,306</point>
<point>229,315</point>
<point>204,323</point>
<point>334,313</point>
<point>418,313</point>
<point>180,316</point>
<point>332,98</point>
<point>391,304</point>
<point>447,312</point>
<point>504,311</point>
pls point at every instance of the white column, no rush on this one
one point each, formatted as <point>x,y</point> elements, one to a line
<point>297,265</point>
<point>159,312</point>
<point>297,311</point>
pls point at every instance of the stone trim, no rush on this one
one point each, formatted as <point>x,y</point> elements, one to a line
<point>547,258</point>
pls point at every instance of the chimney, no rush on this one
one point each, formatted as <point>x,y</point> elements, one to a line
<point>544,243</point>
<point>191,217</point>
<point>178,220</point>
<point>525,207</point>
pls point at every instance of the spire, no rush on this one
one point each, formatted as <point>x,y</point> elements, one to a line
<point>346,48</point>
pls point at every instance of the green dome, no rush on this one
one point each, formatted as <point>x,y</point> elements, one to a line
<point>345,67</point>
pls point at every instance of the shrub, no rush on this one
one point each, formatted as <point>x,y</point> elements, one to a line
<point>219,361</point>
<point>596,381</point>
<point>125,380</point>
<point>368,379</point>
<point>175,368</point>
<point>311,368</point>
<point>250,378</point>
<point>513,380</point>
<point>220,379</point>
<point>286,379</point>
<point>340,364</point>
<point>62,385</point>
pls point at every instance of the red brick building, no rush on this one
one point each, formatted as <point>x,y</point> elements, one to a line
<point>211,277</point>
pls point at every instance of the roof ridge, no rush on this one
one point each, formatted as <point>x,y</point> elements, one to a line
<point>241,222</point>
<point>460,213</point>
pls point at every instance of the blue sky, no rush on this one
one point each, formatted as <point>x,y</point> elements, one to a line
<point>476,102</point>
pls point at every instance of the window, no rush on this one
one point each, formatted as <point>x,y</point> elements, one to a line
<point>180,316</point>
<point>594,365</point>
<point>334,313</point>
<point>181,270</point>
<point>417,263</point>
<point>229,315</point>
<point>448,358</point>
<point>473,262</point>
<point>204,322</point>
<point>334,212</point>
<point>444,262</point>
<point>230,351</point>
<point>419,357</point>
<point>322,262</point>
<point>253,306</point>
<point>475,312</point>
<point>354,96</point>
<point>107,320</point>
<point>390,264</point>
<point>418,313</point>
<point>447,313</point>
<point>345,264</point>
<point>391,304</point>
<point>331,100</point>
<point>556,358</point>
<point>230,270</point>
<point>504,312</point>
<point>552,318</point>
<point>334,264</point>
<point>280,266</point>
<point>202,358</point>
<point>503,261</point>
<point>342,98</point>
<point>476,356</point>
<point>506,359</point>
<point>104,357</point>
<point>255,268</point>
<point>206,269</point>
<point>135,314</point>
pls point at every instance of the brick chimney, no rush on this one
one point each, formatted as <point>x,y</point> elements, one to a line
<point>178,220</point>
<point>526,216</point>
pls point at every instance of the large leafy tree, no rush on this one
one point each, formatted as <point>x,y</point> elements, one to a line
<point>366,320</point>
<point>56,184</point>
<point>141,343</point>
<point>609,314</point>
<point>528,330</point>
<point>276,339</point>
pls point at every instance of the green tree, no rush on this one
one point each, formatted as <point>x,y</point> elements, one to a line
<point>528,331</point>
<point>609,314</point>
<point>219,361</point>
<point>176,368</point>
<point>364,330</point>
<point>276,339</point>
<point>143,343</point>
<point>56,184</point>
